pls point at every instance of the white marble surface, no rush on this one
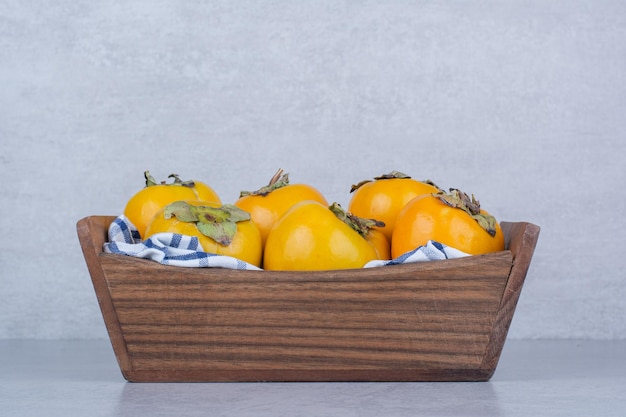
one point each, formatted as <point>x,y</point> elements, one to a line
<point>534,378</point>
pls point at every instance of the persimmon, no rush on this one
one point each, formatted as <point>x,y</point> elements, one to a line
<point>384,197</point>
<point>310,236</point>
<point>267,204</point>
<point>369,229</point>
<point>220,229</point>
<point>449,218</point>
<point>380,242</point>
<point>145,203</point>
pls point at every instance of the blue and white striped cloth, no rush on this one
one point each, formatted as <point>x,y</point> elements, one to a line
<point>431,251</point>
<point>180,250</point>
<point>166,248</point>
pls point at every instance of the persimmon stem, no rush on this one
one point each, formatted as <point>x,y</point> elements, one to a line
<point>150,181</point>
<point>280,179</point>
<point>392,175</point>
<point>359,224</point>
<point>460,200</point>
<point>276,177</point>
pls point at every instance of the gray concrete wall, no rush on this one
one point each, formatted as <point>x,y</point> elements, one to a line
<point>521,103</point>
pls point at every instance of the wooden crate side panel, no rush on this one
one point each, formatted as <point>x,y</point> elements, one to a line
<point>213,322</point>
<point>92,234</point>
<point>521,240</point>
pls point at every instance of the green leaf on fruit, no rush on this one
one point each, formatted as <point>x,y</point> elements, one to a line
<point>217,223</point>
<point>182,210</point>
<point>223,233</point>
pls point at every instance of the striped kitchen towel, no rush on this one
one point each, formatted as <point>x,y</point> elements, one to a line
<point>181,250</point>
<point>166,248</point>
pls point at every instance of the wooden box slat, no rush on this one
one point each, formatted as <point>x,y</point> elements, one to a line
<point>432,321</point>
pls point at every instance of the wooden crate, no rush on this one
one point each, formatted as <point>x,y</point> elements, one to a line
<point>432,321</point>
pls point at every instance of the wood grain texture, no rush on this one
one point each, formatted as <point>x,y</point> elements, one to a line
<point>433,321</point>
<point>521,239</point>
